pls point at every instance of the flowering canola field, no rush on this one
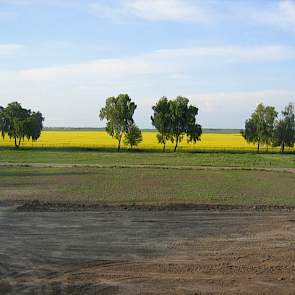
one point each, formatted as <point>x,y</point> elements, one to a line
<point>100,139</point>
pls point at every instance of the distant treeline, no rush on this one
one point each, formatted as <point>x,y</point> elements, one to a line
<point>73,129</point>
<point>173,119</point>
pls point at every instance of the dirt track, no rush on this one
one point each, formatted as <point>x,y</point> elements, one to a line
<point>151,166</point>
<point>147,252</point>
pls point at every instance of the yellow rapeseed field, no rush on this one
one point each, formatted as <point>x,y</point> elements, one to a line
<point>96,139</point>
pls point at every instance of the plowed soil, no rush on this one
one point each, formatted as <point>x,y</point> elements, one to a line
<point>147,252</point>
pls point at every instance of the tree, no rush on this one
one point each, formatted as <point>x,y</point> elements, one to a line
<point>250,133</point>
<point>270,118</point>
<point>2,121</point>
<point>284,134</point>
<point>15,120</point>
<point>118,111</point>
<point>183,121</point>
<point>133,136</point>
<point>20,123</point>
<point>259,128</point>
<point>34,126</point>
<point>162,120</point>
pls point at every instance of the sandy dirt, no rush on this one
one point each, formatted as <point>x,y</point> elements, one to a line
<point>147,252</point>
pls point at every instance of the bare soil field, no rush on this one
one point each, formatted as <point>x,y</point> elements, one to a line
<point>116,251</point>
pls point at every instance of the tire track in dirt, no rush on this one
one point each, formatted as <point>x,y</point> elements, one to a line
<point>147,252</point>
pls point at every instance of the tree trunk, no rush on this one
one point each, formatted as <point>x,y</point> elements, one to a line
<point>164,147</point>
<point>15,143</point>
<point>119,143</point>
<point>176,145</point>
<point>283,147</point>
<point>258,147</point>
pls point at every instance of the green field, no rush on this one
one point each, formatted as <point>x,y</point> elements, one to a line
<point>137,185</point>
<point>144,158</point>
<point>142,177</point>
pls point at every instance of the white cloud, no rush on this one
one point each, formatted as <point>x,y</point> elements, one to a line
<point>230,109</point>
<point>155,10</point>
<point>282,14</point>
<point>232,53</point>
<point>279,13</point>
<point>214,101</point>
<point>169,61</point>
<point>99,69</point>
<point>83,87</point>
<point>9,49</point>
<point>179,10</point>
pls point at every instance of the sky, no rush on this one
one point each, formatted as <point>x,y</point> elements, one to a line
<point>65,57</point>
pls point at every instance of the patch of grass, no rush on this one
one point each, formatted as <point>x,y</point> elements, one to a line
<point>117,185</point>
<point>125,158</point>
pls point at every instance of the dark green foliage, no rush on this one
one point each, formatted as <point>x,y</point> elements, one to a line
<point>133,136</point>
<point>20,123</point>
<point>250,133</point>
<point>174,119</point>
<point>118,112</point>
<point>183,121</point>
<point>2,121</point>
<point>259,129</point>
<point>284,134</point>
<point>35,125</point>
<point>161,120</point>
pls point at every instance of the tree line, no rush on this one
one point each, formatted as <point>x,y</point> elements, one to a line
<point>266,127</point>
<point>174,119</point>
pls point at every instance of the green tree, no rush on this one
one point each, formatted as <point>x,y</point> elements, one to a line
<point>161,120</point>
<point>20,123</point>
<point>2,122</point>
<point>118,112</point>
<point>270,118</point>
<point>34,126</point>
<point>284,134</point>
<point>183,121</point>
<point>133,136</point>
<point>250,133</point>
<point>259,128</point>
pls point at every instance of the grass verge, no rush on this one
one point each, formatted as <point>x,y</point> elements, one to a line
<point>212,159</point>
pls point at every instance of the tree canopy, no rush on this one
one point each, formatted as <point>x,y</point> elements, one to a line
<point>161,120</point>
<point>118,112</point>
<point>133,136</point>
<point>2,121</point>
<point>259,128</point>
<point>284,134</point>
<point>183,119</point>
<point>19,123</point>
<point>175,119</point>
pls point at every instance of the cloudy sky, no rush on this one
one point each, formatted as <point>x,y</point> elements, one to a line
<point>64,57</point>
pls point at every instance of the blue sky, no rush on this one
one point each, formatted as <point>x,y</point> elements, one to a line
<point>65,57</point>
